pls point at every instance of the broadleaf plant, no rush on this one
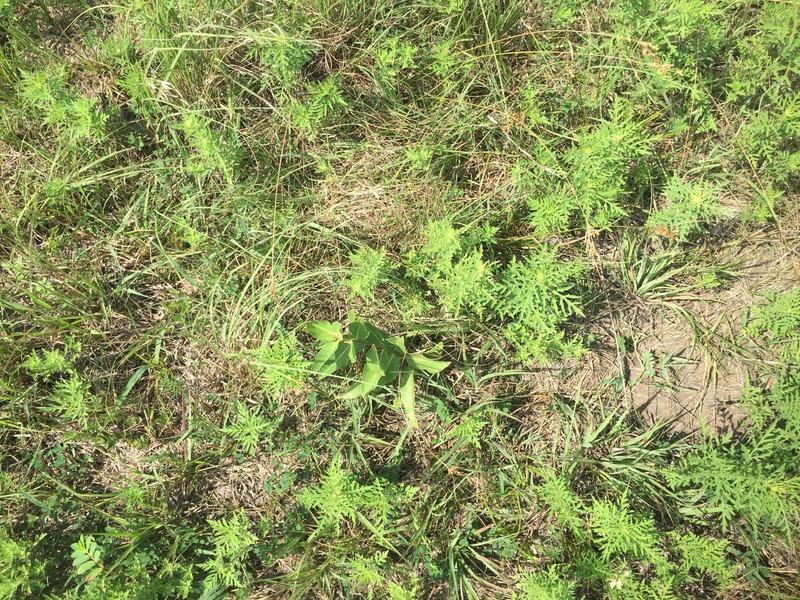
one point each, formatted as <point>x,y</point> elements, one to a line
<point>87,558</point>
<point>386,361</point>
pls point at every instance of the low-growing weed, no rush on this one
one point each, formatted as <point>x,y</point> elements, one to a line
<point>249,427</point>
<point>283,55</point>
<point>535,297</point>
<point>322,102</point>
<point>600,163</point>
<point>280,364</point>
<point>75,117</point>
<point>20,575</point>
<point>539,296</point>
<point>233,542</point>
<point>688,210</point>
<point>387,361</point>
<point>368,268</point>
<point>452,264</point>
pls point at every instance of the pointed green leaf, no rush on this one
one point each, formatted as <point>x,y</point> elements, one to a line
<point>406,397</point>
<point>353,392</point>
<point>326,351</point>
<point>373,370</point>
<point>370,377</point>
<point>390,365</point>
<point>84,567</point>
<point>79,560</point>
<point>397,343</point>
<point>325,331</point>
<point>423,363</point>
<point>356,348</point>
<point>333,356</point>
<point>364,332</point>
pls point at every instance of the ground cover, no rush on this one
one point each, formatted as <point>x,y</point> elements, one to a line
<point>399,299</point>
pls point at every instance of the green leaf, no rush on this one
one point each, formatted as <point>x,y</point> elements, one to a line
<point>397,344</point>
<point>333,356</point>
<point>390,365</point>
<point>356,348</point>
<point>137,375</point>
<point>405,395</point>
<point>370,378</point>
<point>83,567</point>
<point>86,557</point>
<point>364,332</point>
<point>325,331</point>
<point>422,363</point>
<point>356,391</point>
<point>373,371</point>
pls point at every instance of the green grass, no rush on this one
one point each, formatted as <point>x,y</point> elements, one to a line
<point>342,299</point>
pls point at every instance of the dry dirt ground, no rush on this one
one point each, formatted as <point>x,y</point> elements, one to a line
<point>685,365</point>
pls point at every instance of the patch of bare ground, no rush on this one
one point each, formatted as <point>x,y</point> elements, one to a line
<point>687,365</point>
<point>125,464</point>
<point>676,380</point>
<point>245,484</point>
<point>689,369</point>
